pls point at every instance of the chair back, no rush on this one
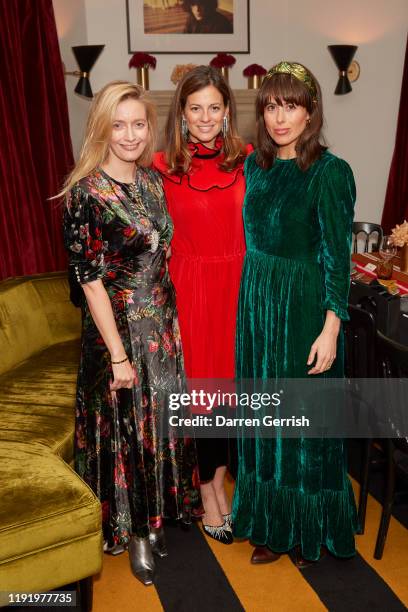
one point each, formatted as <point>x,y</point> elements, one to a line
<point>393,363</point>
<point>360,343</point>
<point>392,357</point>
<point>368,229</point>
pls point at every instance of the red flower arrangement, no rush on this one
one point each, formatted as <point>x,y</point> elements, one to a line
<point>223,60</point>
<point>142,60</point>
<point>254,70</point>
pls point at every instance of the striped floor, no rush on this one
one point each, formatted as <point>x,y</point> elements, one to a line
<point>201,575</point>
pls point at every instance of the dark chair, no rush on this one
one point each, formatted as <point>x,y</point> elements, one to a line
<point>360,362</point>
<point>362,227</point>
<point>360,337</point>
<point>392,363</point>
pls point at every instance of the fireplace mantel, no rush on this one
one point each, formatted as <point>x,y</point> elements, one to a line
<point>245,102</point>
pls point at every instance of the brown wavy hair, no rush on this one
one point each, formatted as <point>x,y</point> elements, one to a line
<point>178,155</point>
<point>286,88</point>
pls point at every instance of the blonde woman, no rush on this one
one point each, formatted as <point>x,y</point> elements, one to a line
<point>117,233</point>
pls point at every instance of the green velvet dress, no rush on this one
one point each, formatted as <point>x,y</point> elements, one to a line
<point>298,224</point>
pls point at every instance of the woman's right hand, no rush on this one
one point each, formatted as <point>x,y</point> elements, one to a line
<point>123,376</point>
<point>100,306</point>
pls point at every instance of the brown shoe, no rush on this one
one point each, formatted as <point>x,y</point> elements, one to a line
<point>263,554</point>
<point>301,562</point>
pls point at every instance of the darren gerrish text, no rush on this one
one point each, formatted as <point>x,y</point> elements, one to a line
<point>222,421</point>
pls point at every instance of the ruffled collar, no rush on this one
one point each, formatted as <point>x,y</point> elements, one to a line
<point>205,173</point>
<point>201,151</point>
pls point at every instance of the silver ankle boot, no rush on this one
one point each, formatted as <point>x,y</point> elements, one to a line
<point>158,542</point>
<point>116,549</point>
<point>141,559</point>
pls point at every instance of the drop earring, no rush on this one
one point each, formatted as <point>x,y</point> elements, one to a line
<point>184,128</point>
<point>225,125</point>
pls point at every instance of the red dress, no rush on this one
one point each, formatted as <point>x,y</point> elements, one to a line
<point>208,249</point>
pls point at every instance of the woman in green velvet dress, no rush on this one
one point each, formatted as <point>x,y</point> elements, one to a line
<point>298,212</point>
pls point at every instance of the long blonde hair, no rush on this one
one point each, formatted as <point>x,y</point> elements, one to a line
<point>95,146</point>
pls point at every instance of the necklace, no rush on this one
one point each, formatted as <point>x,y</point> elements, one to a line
<point>134,192</point>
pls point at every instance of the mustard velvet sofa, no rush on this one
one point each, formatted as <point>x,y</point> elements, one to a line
<point>50,520</point>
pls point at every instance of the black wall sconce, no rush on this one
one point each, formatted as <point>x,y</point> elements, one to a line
<point>349,70</point>
<point>86,56</point>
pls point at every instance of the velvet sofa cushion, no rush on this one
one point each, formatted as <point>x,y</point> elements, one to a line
<point>54,428</point>
<point>52,567</point>
<point>24,328</point>
<point>46,379</point>
<point>63,318</point>
<point>37,399</point>
<point>44,505</point>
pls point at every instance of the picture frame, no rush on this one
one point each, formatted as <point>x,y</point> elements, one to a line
<point>158,26</point>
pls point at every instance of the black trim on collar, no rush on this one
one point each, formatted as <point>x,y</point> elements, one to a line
<point>210,156</point>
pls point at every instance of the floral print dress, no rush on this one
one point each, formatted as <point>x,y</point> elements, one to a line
<point>120,233</point>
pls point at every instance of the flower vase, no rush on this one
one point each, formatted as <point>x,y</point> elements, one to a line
<point>225,73</point>
<point>404,258</point>
<point>255,81</point>
<point>142,77</point>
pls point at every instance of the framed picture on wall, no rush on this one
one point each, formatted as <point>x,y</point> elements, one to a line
<point>188,26</point>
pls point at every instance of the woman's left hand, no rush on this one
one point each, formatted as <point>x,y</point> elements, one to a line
<point>324,351</point>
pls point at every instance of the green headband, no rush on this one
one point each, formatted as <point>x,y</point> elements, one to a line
<point>298,71</point>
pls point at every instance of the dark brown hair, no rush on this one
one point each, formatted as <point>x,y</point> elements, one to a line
<point>286,88</point>
<point>210,5</point>
<point>178,155</point>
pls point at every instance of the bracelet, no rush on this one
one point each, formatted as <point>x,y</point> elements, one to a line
<point>118,362</point>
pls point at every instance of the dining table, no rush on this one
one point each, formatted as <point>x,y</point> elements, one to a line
<point>365,264</point>
<point>393,305</point>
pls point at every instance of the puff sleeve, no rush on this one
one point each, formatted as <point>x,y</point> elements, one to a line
<point>335,210</point>
<point>83,236</point>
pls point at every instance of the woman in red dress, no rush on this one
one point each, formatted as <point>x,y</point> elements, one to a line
<point>202,171</point>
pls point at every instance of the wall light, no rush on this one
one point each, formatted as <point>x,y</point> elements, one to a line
<point>86,56</point>
<point>348,70</point>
